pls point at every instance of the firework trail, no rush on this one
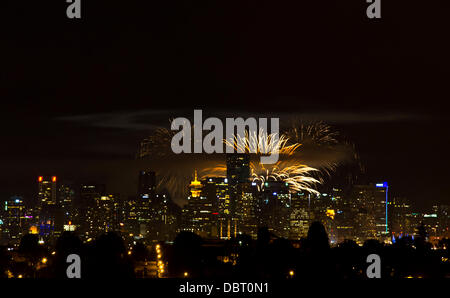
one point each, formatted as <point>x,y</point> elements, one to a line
<point>311,133</point>
<point>322,146</point>
<point>298,177</point>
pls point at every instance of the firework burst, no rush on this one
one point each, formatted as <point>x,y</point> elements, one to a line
<point>262,143</point>
<point>298,177</point>
<point>311,133</point>
<point>289,168</point>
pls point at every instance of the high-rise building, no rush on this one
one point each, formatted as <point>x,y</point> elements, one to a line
<point>101,217</point>
<point>299,220</point>
<point>399,220</point>
<point>165,220</point>
<point>238,172</point>
<point>248,209</point>
<point>66,199</point>
<point>89,195</point>
<point>346,210</point>
<point>201,212</point>
<point>238,168</point>
<point>430,221</point>
<point>217,192</point>
<point>90,192</point>
<point>47,190</point>
<point>15,220</point>
<point>275,205</point>
<point>371,219</point>
<point>129,215</point>
<point>444,221</point>
<point>50,218</point>
<point>147,185</point>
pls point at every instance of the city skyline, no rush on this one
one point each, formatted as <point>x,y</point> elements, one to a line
<point>119,173</point>
<point>236,193</point>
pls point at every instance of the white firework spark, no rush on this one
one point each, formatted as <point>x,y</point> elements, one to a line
<point>289,168</point>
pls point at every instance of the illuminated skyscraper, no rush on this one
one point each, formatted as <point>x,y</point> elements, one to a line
<point>444,220</point>
<point>66,199</point>
<point>216,191</point>
<point>15,221</point>
<point>201,211</point>
<point>238,172</point>
<point>88,197</point>
<point>399,217</point>
<point>247,210</point>
<point>299,220</point>
<point>47,190</point>
<point>50,213</point>
<point>101,217</point>
<point>381,194</point>
<point>371,219</point>
<point>195,187</point>
<point>238,168</point>
<point>275,205</point>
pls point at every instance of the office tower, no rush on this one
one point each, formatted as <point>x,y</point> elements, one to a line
<point>399,220</point>
<point>248,209</point>
<point>444,221</point>
<point>323,208</point>
<point>101,216</point>
<point>15,220</point>
<point>346,210</point>
<point>129,214</point>
<point>381,209</point>
<point>238,172</point>
<point>147,185</point>
<point>66,199</point>
<point>371,219</point>
<point>50,221</point>
<point>165,220</point>
<point>89,194</point>
<point>201,210</point>
<point>47,190</point>
<point>238,168</point>
<point>217,192</point>
<point>275,202</point>
<point>154,219</point>
<point>431,222</point>
<point>299,219</point>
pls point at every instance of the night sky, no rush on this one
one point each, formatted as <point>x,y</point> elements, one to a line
<point>79,95</point>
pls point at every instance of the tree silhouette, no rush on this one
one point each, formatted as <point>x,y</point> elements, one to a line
<point>107,258</point>
<point>187,255</point>
<point>68,243</point>
<point>32,251</point>
<point>317,262</point>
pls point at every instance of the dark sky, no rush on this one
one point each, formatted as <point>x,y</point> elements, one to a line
<point>79,94</point>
